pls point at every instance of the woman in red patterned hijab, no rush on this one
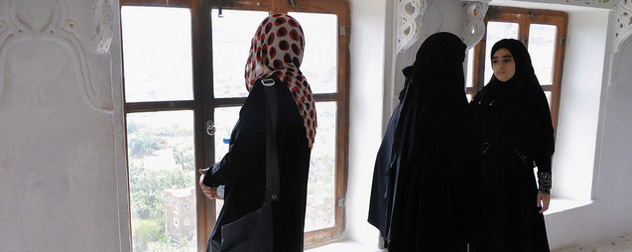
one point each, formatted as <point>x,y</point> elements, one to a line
<point>275,55</point>
<point>277,51</point>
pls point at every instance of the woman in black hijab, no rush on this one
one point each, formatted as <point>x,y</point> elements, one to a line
<point>517,135</point>
<point>424,167</point>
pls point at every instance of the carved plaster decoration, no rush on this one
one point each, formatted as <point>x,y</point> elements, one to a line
<point>592,2</point>
<point>474,26</point>
<point>624,23</point>
<point>102,26</point>
<point>409,15</point>
<point>27,23</point>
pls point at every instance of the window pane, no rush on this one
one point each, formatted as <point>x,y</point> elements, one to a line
<point>470,68</point>
<point>549,96</point>
<point>321,197</point>
<point>232,34</point>
<point>495,32</point>
<point>542,40</point>
<point>162,181</point>
<point>320,62</point>
<point>157,53</point>
<point>225,120</point>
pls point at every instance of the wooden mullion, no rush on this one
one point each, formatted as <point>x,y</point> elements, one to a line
<point>134,107</point>
<point>163,3</point>
<point>342,10</point>
<point>319,6</point>
<point>478,72</point>
<point>238,101</point>
<point>203,92</point>
<point>261,5</point>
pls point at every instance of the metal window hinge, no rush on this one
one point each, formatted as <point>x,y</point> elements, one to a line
<point>343,30</point>
<point>562,41</point>
<point>341,202</point>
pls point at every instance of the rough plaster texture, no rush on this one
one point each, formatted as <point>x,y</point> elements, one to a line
<point>58,188</point>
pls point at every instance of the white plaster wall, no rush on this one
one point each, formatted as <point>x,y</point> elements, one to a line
<point>582,81</point>
<point>609,215</point>
<point>365,117</point>
<point>60,127</point>
<point>120,131</point>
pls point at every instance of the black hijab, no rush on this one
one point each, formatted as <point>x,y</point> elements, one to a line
<point>516,113</point>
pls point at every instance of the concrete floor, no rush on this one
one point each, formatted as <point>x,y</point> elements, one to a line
<point>621,243</point>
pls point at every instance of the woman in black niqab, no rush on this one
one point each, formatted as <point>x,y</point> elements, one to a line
<point>423,171</point>
<point>516,135</point>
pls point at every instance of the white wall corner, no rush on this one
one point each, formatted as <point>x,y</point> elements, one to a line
<point>473,24</point>
<point>409,16</point>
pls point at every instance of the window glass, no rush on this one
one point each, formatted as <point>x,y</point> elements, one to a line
<point>470,68</point>
<point>161,178</point>
<point>321,195</point>
<point>549,95</point>
<point>320,62</point>
<point>225,120</point>
<point>161,69</point>
<point>232,35</point>
<point>542,40</point>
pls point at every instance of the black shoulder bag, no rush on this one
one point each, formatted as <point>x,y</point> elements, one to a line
<point>254,232</point>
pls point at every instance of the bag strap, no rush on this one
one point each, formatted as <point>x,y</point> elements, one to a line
<point>272,157</point>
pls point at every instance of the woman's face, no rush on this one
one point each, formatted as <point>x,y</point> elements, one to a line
<point>503,65</point>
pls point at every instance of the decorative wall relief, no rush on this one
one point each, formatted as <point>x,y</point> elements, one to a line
<point>102,26</point>
<point>592,2</point>
<point>32,30</point>
<point>474,26</point>
<point>624,23</point>
<point>409,16</point>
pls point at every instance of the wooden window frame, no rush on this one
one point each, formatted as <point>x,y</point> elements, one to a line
<point>202,73</point>
<point>524,18</point>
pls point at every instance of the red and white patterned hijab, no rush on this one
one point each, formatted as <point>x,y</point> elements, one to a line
<point>277,51</point>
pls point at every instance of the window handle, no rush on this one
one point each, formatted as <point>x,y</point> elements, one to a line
<point>210,128</point>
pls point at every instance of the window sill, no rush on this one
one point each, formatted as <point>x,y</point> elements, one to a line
<point>344,246</point>
<point>559,205</point>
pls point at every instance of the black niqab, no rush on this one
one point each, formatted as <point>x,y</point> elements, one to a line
<point>423,169</point>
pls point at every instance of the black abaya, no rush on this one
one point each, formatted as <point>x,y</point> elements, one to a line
<point>242,169</point>
<point>517,135</point>
<point>422,181</point>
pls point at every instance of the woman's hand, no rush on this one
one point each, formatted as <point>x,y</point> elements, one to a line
<point>209,192</point>
<point>543,201</point>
